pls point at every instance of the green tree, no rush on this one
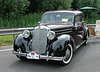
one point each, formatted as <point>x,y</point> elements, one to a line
<point>45,5</point>
<point>97,3</point>
<point>77,4</point>
<point>33,7</point>
<point>56,4</point>
<point>13,8</point>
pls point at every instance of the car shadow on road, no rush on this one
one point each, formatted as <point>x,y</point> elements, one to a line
<point>35,65</point>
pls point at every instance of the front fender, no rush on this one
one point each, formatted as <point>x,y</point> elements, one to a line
<point>59,46</point>
<point>21,42</point>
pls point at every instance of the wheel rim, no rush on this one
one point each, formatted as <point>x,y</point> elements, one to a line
<point>68,54</point>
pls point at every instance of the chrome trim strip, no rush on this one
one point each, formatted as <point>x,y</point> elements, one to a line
<point>64,30</point>
<point>19,53</point>
<point>79,45</point>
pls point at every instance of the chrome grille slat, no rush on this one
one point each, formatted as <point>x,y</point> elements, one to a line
<point>63,31</point>
<point>39,41</point>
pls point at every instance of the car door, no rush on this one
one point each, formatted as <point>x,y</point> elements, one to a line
<point>79,29</point>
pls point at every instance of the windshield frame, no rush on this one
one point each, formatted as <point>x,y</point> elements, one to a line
<point>57,13</point>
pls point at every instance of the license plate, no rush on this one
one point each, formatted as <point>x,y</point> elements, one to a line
<point>32,55</point>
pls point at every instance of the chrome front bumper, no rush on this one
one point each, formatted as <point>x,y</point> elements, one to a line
<point>46,57</point>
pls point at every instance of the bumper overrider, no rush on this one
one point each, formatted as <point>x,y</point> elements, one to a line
<point>33,55</point>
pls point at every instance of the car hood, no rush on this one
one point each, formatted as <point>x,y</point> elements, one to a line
<point>58,26</point>
<point>54,26</point>
<point>61,25</point>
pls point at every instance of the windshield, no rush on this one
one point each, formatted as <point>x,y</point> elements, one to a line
<point>55,17</point>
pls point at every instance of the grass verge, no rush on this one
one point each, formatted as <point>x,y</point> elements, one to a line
<point>6,40</point>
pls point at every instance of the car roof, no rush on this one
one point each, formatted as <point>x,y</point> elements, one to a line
<point>66,11</point>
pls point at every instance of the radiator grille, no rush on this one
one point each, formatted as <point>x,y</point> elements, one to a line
<point>39,41</point>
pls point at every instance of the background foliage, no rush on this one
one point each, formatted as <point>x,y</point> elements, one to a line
<point>23,21</point>
<point>93,16</point>
<point>23,13</point>
<point>80,3</point>
<point>56,4</point>
<point>12,8</point>
<point>45,5</point>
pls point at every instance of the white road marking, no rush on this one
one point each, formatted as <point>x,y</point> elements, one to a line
<point>5,50</point>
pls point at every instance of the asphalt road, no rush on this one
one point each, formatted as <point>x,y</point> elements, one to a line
<point>85,59</point>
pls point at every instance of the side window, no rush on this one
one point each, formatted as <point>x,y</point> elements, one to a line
<point>82,18</point>
<point>77,19</point>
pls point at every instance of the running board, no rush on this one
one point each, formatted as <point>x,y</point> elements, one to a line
<point>80,44</point>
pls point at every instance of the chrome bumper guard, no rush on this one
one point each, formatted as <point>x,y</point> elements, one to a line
<point>19,53</point>
<point>41,56</point>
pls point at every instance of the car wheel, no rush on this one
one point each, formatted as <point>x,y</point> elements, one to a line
<point>21,57</point>
<point>86,42</point>
<point>68,55</point>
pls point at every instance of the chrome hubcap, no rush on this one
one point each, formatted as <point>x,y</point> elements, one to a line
<point>68,53</point>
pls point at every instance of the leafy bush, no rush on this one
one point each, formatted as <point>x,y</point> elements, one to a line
<point>33,7</point>
<point>45,5</point>
<point>77,4</point>
<point>13,8</point>
<point>56,4</point>
<point>24,21</point>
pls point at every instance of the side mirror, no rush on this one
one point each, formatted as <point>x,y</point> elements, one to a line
<point>78,23</point>
<point>83,23</point>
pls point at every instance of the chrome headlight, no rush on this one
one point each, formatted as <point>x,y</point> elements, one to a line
<point>26,33</point>
<point>51,35</point>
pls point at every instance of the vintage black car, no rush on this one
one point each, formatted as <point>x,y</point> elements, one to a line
<point>57,37</point>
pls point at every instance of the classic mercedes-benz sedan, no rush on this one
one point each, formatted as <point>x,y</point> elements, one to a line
<point>57,37</point>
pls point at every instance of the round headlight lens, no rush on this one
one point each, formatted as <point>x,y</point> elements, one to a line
<point>26,33</point>
<point>51,35</point>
